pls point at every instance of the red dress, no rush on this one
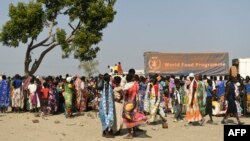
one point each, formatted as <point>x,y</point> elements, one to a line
<point>137,118</point>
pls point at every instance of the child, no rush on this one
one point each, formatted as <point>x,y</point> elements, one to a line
<point>177,101</point>
<point>209,99</point>
<point>45,94</point>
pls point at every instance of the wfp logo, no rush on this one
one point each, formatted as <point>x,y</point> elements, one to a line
<point>154,63</point>
<point>239,132</point>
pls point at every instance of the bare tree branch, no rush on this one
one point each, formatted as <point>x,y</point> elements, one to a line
<point>47,44</point>
<point>46,51</point>
<point>46,39</point>
<point>38,62</point>
<point>69,39</point>
<point>31,43</point>
<point>71,26</point>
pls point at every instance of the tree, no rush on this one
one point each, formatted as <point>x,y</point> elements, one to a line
<point>85,19</point>
<point>89,67</point>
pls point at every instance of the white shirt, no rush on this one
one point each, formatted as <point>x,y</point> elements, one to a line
<point>111,69</point>
<point>32,88</point>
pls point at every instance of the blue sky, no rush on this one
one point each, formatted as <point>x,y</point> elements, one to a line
<point>146,25</point>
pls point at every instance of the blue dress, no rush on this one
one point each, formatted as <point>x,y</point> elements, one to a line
<point>106,111</point>
<point>4,93</point>
<point>231,99</point>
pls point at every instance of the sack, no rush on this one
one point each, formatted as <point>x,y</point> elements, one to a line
<point>128,110</point>
<point>129,107</point>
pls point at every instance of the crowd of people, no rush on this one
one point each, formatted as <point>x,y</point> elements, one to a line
<point>49,95</point>
<point>129,100</point>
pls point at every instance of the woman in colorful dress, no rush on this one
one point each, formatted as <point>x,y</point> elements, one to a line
<point>60,99</point>
<point>142,92</point>
<point>120,71</point>
<point>80,91</point>
<point>230,97</point>
<point>52,99</point>
<point>193,112</point>
<point>4,94</point>
<point>183,94</point>
<point>68,94</point>
<point>106,112</point>
<point>246,97</point>
<point>146,106</point>
<point>34,101</point>
<point>131,117</point>
<point>201,94</point>
<point>17,93</point>
<point>155,99</point>
<point>26,105</point>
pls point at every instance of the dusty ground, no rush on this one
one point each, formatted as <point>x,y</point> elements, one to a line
<point>28,127</point>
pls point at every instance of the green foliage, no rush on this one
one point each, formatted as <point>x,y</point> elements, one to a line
<point>53,7</point>
<point>26,21</point>
<point>86,20</point>
<point>94,15</point>
<point>61,39</point>
<point>82,44</point>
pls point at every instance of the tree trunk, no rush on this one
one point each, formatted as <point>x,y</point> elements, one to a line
<point>30,71</point>
<point>27,62</point>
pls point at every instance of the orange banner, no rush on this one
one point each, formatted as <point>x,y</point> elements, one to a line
<point>184,63</point>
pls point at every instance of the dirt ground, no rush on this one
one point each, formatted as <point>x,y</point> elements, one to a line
<point>87,127</point>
